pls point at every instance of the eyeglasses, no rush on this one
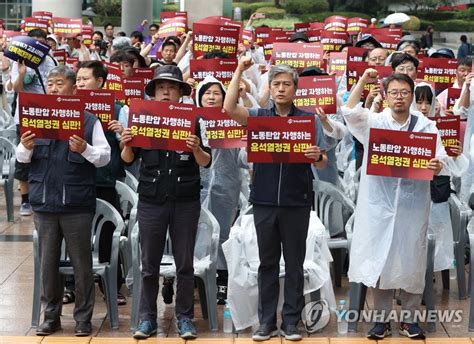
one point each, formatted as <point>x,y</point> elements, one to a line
<point>405,69</point>
<point>377,59</point>
<point>395,93</point>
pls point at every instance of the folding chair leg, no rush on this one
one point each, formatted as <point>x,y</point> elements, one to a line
<point>461,275</point>
<point>8,187</point>
<point>357,295</point>
<point>202,297</point>
<point>110,286</point>
<point>445,279</point>
<point>428,293</point>
<point>211,292</point>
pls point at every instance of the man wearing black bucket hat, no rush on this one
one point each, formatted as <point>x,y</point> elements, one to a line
<point>169,197</point>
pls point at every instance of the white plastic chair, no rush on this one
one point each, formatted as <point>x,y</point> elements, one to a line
<point>7,166</point>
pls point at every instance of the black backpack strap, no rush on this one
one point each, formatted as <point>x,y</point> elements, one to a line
<point>413,120</point>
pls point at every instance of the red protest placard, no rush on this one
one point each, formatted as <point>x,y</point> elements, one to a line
<point>133,88</point>
<point>449,130</point>
<point>388,42</point>
<point>42,15</point>
<point>100,103</point>
<point>333,40</point>
<point>316,91</point>
<point>67,27</point>
<point>173,27</point>
<point>161,125</point>
<point>280,139</point>
<point>301,27</point>
<point>164,16</point>
<point>145,73</point>
<point>335,23</point>
<point>221,69</point>
<point>355,54</point>
<point>222,131</point>
<point>208,37</point>
<point>298,56</point>
<point>35,23</point>
<point>87,33</point>
<point>72,62</point>
<point>60,55</point>
<point>51,116</point>
<point>114,82</point>
<point>265,36</point>
<point>222,21</point>
<point>383,31</point>
<point>453,95</point>
<point>440,71</point>
<point>247,38</point>
<point>356,69</point>
<point>314,35</point>
<point>401,154</point>
<point>356,24</point>
<point>337,63</point>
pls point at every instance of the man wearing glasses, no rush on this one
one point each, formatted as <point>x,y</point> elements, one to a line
<point>405,64</point>
<point>389,246</point>
<point>377,57</point>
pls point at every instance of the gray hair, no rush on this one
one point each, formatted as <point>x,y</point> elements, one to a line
<point>280,69</point>
<point>121,43</point>
<point>65,71</point>
<point>409,44</point>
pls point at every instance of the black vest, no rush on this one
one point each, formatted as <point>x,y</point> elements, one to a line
<point>61,181</point>
<point>286,185</point>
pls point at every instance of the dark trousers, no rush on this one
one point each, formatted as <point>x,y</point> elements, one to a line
<point>279,227</point>
<point>76,231</point>
<point>181,218</point>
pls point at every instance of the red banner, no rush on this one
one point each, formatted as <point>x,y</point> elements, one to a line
<point>208,37</point>
<point>337,63</point>
<point>51,116</point>
<point>86,33</point>
<point>401,154</point>
<point>221,69</point>
<point>145,73</point>
<point>355,54</point>
<point>356,69</point>
<point>247,38</point>
<point>133,88</point>
<point>301,27</point>
<point>114,82</point>
<point>42,15</point>
<point>298,56</point>
<point>388,42</point>
<point>161,125</point>
<point>316,91</point>
<point>453,95</point>
<point>440,71</point>
<point>335,23</point>
<point>67,27</point>
<point>100,103</point>
<point>280,139</point>
<point>222,131</point>
<point>449,130</point>
<point>60,55</point>
<point>72,62</point>
<point>173,27</point>
<point>222,21</point>
<point>355,25</point>
<point>164,16</point>
<point>314,35</point>
<point>265,36</point>
<point>35,23</point>
<point>333,40</point>
<point>383,31</point>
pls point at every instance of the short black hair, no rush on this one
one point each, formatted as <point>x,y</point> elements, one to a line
<point>169,43</point>
<point>399,77</point>
<point>98,69</point>
<point>424,93</point>
<point>122,34</point>
<point>156,26</point>
<point>464,38</point>
<point>38,33</point>
<point>175,40</point>
<point>107,25</point>
<point>465,61</point>
<point>399,58</point>
<point>216,54</point>
<point>122,56</point>
<point>138,35</point>
<point>98,33</point>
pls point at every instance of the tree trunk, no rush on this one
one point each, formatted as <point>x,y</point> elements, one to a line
<point>277,4</point>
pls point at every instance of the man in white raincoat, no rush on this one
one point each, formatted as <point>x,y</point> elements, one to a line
<point>389,247</point>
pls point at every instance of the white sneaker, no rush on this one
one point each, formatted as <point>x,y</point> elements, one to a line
<point>25,209</point>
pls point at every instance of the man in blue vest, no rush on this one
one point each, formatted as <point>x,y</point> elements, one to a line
<point>63,197</point>
<point>282,196</point>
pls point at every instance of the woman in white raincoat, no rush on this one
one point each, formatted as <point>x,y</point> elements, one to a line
<point>440,217</point>
<point>389,246</point>
<point>224,180</point>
